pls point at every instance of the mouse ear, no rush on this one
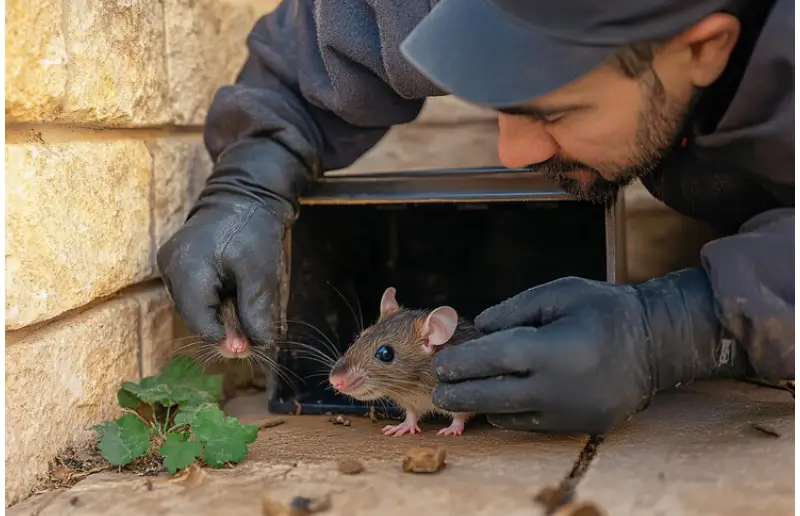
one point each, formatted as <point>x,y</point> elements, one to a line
<point>438,327</point>
<point>388,302</point>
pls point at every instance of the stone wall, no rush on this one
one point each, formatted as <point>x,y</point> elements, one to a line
<point>104,106</point>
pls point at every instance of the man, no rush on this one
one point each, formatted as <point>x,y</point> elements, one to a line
<point>693,97</point>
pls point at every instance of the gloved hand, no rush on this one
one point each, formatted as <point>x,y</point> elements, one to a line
<point>232,244</point>
<point>581,356</point>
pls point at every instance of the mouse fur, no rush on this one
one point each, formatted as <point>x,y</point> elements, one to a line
<point>413,336</point>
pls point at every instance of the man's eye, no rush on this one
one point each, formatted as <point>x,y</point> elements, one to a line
<point>385,353</point>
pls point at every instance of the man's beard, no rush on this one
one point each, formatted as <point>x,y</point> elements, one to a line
<point>658,130</point>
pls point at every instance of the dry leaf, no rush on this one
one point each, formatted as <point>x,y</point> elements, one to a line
<point>189,477</point>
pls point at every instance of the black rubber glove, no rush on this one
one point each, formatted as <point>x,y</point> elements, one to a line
<point>232,242</point>
<point>575,356</point>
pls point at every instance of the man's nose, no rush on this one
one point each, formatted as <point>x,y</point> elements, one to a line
<point>523,142</point>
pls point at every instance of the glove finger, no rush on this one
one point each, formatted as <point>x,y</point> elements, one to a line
<point>489,395</point>
<point>496,354</point>
<point>560,347</point>
<point>536,306</point>
<point>255,299</point>
<point>197,301</point>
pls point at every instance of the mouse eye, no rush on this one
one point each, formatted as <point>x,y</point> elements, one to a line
<point>385,353</point>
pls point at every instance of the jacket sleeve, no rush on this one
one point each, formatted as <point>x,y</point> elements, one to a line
<point>322,83</point>
<point>752,276</point>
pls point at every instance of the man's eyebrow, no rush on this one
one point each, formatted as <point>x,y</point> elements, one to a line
<point>542,113</point>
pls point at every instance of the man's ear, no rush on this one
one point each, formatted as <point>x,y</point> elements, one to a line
<point>710,43</point>
<point>438,327</point>
<point>388,302</point>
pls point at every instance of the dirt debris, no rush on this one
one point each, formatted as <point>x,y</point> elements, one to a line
<point>339,420</point>
<point>299,506</point>
<point>765,430</point>
<point>190,477</point>
<point>424,459</point>
<point>350,467</point>
<point>267,422</point>
<point>553,497</point>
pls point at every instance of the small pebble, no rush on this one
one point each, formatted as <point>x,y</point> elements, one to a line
<point>424,460</point>
<point>350,467</point>
<point>339,420</point>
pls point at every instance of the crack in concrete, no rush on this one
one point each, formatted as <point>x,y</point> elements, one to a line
<point>555,498</point>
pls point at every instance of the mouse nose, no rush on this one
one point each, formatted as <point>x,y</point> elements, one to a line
<point>339,381</point>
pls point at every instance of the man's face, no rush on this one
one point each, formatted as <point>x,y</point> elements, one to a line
<point>604,130</point>
<point>599,133</point>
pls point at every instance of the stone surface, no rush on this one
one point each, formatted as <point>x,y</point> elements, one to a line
<point>36,59</point>
<point>107,67</point>
<point>419,147</point>
<point>118,73</point>
<point>206,47</point>
<point>695,451</point>
<point>62,379</point>
<point>180,168</point>
<point>698,438</point>
<point>78,219</point>
<point>658,239</point>
<point>157,343</point>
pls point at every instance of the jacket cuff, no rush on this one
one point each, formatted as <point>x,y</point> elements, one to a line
<point>262,170</point>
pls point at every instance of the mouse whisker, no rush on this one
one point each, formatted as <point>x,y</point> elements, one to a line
<point>335,353</point>
<point>312,327</point>
<point>261,357</point>
<point>359,322</point>
<point>315,352</point>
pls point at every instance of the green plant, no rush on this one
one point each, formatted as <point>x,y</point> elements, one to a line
<point>177,409</point>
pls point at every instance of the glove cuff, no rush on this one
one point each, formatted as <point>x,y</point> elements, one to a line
<point>687,340</point>
<point>262,171</point>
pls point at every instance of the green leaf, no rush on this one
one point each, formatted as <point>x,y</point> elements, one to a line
<point>127,399</point>
<point>179,452</point>
<point>150,394</point>
<point>225,438</point>
<point>186,415</point>
<point>182,382</point>
<point>123,440</point>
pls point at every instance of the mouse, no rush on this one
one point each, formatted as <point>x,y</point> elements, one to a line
<point>235,343</point>
<point>393,358</point>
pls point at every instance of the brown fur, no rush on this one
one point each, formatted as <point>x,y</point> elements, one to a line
<point>409,380</point>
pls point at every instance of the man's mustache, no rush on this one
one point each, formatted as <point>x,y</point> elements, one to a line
<point>557,166</point>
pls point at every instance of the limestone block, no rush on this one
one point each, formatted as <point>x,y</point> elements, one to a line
<point>206,48</point>
<point>180,168</point>
<point>156,330</point>
<point>452,110</point>
<point>36,59</point>
<point>78,219</point>
<point>62,379</point>
<point>417,147</point>
<point>107,67</point>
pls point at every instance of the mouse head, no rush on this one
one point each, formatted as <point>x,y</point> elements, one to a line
<point>235,343</point>
<point>396,351</point>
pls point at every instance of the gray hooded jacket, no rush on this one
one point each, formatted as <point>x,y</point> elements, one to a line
<point>325,81</point>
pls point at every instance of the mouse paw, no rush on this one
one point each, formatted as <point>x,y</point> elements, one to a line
<point>401,429</point>
<point>452,430</point>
